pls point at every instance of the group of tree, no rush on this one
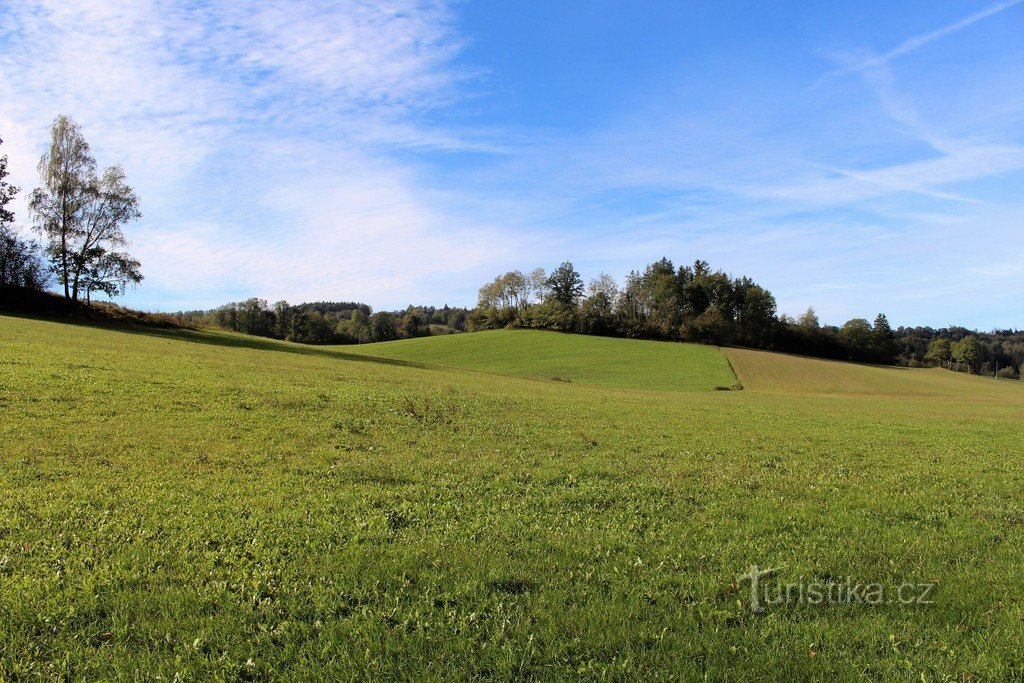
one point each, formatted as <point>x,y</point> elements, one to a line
<point>328,322</point>
<point>80,213</point>
<point>21,260</point>
<point>689,303</point>
<point>999,353</point>
<point>696,303</point>
<point>857,339</point>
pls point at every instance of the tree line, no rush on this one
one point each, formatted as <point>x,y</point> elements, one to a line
<point>328,322</point>
<point>79,212</point>
<point>698,304</point>
<point>999,353</point>
<point>689,303</point>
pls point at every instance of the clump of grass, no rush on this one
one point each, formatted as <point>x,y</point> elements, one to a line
<point>510,585</point>
<point>431,412</point>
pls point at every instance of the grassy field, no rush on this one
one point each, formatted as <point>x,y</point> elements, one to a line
<point>603,361</point>
<point>209,506</point>
<point>788,374</point>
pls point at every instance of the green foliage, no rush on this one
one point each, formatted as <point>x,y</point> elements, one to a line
<point>1009,372</point>
<point>382,327</point>
<point>809,319</point>
<point>882,339</point>
<point>509,292</point>
<point>940,352</point>
<point>967,352</point>
<point>7,193</point>
<point>565,286</point>
<point>596,314</point>
<point>755,315</point>
<point>856,333</point>
<point>21,262</point>
<point>996,349</point>
<point>356,327</point>
<point>109,273</point>
<point>212,506</point>
<point>311,327</point>
<point>327,322</point>
<point>68,175</point>
<point>710,327</point>
<point>660,303</point>
<point>551,314</point>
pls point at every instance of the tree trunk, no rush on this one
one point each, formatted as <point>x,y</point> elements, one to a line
<point>64,263</point>
<point>64,238</point>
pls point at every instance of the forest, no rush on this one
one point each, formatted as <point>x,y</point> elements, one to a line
<point>328,322</point>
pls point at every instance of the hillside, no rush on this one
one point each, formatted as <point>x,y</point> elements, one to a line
<point>603,361</point>
<point>42,304</point>
<point>788,374</point>
<point>209,506</point>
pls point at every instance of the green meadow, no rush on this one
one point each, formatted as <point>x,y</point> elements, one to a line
<point>184,505</point>
<point>765,371</point>
<point>604,361</point>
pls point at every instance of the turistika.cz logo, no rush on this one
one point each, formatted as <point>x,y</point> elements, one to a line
<point>766,590</point>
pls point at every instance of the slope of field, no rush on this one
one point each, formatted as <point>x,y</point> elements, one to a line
<point>207,506</point>
<point>783,373</point>
<point>602,361</point>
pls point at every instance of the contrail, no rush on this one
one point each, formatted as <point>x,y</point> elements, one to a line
<point>913,43</point>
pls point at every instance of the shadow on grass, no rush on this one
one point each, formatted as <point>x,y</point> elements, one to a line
<point>218,338</point>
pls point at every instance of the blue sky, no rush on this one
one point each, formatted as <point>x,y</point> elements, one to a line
<point>857,157</point>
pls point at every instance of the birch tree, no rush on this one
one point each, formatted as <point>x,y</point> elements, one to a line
<point>82,215</point>
<point>67,173</point>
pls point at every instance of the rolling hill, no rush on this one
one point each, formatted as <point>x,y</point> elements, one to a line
<point>209,506</point>
<point>603,361</point>
<point>766,371</point>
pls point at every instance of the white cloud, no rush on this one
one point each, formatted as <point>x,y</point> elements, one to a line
<point>257,134</point>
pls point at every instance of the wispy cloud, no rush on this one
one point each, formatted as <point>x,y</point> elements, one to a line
<point>251,129</point>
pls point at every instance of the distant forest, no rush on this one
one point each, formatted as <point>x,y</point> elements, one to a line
<point>688,303</point>
<point>328,322</point>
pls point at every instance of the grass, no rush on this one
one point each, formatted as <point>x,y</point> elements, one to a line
<point>208,506</point>
<point>603,361</point>
<point>783,373</point>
